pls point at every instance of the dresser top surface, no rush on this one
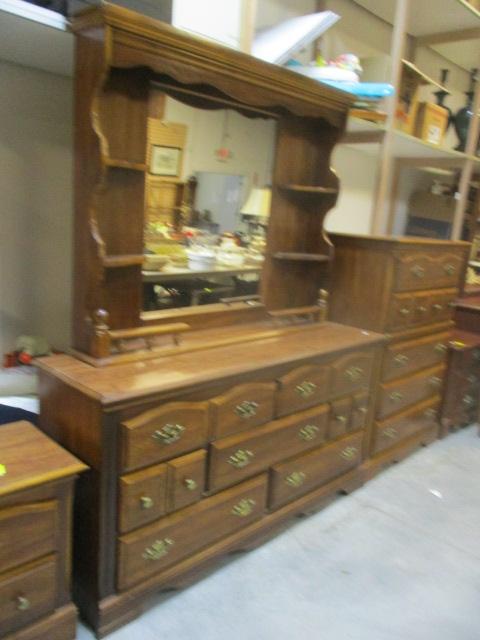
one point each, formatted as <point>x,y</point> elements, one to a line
<point>29,458</point>
<point>401,242</point>
<point>117,383</point>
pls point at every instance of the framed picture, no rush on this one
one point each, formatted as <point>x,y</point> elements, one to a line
<point>165,161</point>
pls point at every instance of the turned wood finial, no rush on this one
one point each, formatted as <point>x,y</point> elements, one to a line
<point>101,335</point>
<point>100,320</point>
<point>323,304</point>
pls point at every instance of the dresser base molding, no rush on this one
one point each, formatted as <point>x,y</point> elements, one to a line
<point>408,446</point>
<point>115,611</point>
<point>60,625</point>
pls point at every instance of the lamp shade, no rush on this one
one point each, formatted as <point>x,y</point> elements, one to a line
<point>258,202</point>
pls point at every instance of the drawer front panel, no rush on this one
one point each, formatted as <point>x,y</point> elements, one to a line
<point>239,457</point>
<point>359,411</point>
<point>447,269</point>
<point>152,549</point>
<point>142,497</point>
<point>399,394</point>
<point>27,595</point>
<point>441,308</point>
<point>416,270</point>
<point>400,312</point>
<point>29,530</point>
<point>352,373</point>
<point>186,479</point>
<point>163,433</point>
<point>340,416</point>
<point>408,357</point>
<point>416,309</point>
<point>242,408</point>
<point>296,477</point>
<point>391,431</point>
<point>303,387</point>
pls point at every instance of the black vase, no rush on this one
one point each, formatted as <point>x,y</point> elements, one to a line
<point>463,117</point>
<point>441,94</point>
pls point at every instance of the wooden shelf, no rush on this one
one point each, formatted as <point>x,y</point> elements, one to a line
<point>301,257</point>
<point>124,164</point>
<point>114,262</point>
<point>308,190</point>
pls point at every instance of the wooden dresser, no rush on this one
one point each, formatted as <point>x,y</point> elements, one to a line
<point>404,287</point>
<point>36,490</point>
<point>196,455</point>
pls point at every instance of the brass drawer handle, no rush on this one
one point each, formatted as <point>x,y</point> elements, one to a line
<point>146,502</point>
<point>306,389</point>
<point>418,271</point>
<point>396,396</point>
<point>430,413</point>
<point>438,307</point>
<point>349,453</point>
<point>308,432</point>
<point>468,400</point>
<point>472,379</point>
<point>241,458</point>
<point>190,484</point>
<point>158,549</point>
<point>404,311</point>
<point>422,309</point>
<point>244,508</point>
<point>23,604</point>
<point>449,269</point>
<point>246,409</point>
<point>169,434</point>
<point>401,360</point>
<point>363,409</point>
<point>440,347</point>
<point>296,479</point>
<point>435,381</point>
<point>341,419</point>
<point>354,373</point>
<point>390,432</point>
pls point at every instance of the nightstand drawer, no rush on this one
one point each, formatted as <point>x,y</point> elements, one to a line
<point>27,532</point>
<point>302,388</point>
<point>243,407</point>
<point>142,497</point>
<point>152,549</point>
<point>296,477</point>
<point>351,373</point>
<point>186,479</point>
<point>399,394</point>
<point>239,457</point>
<point>166,432</point>
<point>27,595</point>
<point>408,357</point>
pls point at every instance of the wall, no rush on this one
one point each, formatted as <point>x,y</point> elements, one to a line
<point>36,210</point>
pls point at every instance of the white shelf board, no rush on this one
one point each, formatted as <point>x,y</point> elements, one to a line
<point>357,125</point>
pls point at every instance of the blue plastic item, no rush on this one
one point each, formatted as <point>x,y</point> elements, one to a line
<point>370,90</point>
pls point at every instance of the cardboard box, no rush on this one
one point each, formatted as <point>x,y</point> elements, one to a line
<point>431,123</point>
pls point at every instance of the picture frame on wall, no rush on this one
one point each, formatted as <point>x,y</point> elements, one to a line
<point>165,161</point>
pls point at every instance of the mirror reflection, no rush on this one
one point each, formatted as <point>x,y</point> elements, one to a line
<point>207,204</point>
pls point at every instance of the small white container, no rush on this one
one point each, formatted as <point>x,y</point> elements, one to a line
<point>201,259</point>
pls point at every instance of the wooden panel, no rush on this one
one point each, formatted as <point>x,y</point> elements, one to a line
<point>359,411</point>
<point>151,549</point>
<point>186,479</point>
<point>400,311</point>
<point>408,357</point>
<point>122,284</point>
<point>340,415</point>
<point>243,407</point>
<point>296,477</point>
<point>423,270</point>
<point>142,497</point>
<point>27,532</point>
<point>303,387</point>
<point>398,394</point>
<point>27,595</point>
<point>163,433</point>
<point>351,372</point>
<point>238,457</point>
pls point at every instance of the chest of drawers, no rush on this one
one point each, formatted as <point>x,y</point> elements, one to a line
<point>36,485</point>
<point>405,288</point>
<point>203,453</point>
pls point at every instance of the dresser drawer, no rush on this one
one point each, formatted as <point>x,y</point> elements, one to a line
<point>447,269</point>
<point>241,408</point>
<point>142,497</point>
<point>301,388</point>
<point>238,457</point>
<point>27,595</point>
<point>186,479</point>
<point>393,430</point>
<point>166,432</point>
<point>418,270</point>
<point>407,357</point>
<point>441,305</point>
<point>359,411</point>
<point>399,394</point>
<point>294,478</point>
<point>27,532</point>
<point>400,311</point>
<point>351,373</point>
<point>153,548</point>
<point>340,416</point>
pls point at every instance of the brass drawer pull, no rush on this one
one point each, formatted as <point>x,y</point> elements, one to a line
<point>472,379</point>
<point>469,401</point>
<point>190,484</point>
<point>363,409</point>
<point>438,307</point>
<point>306,389</point>
<point>401,360</point>
<point>449,269</point>
<point>354,373</point>
<point>390,432</point>
<point>308,432</point>
<point>158,549</point>
<point>296,479</point>
<point>435,381</point>
<point>23,604</point>
<point>404,311</point>
<point>246,409</point>
<point>430,413</point>
<point>342,419</point>
<point>169,434</point>
<point>146,502</point>
<point>349,453</point>
<point>396,396</point>
<point>418,271</point>
<point>440,347</point>
<point>244,508</point>
<point>241,458</point>
<point>422,309</point>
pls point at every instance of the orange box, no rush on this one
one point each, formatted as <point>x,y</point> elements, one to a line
<point>431,122</point>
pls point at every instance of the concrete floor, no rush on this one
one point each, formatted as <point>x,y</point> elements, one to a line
<point>397,560</point>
